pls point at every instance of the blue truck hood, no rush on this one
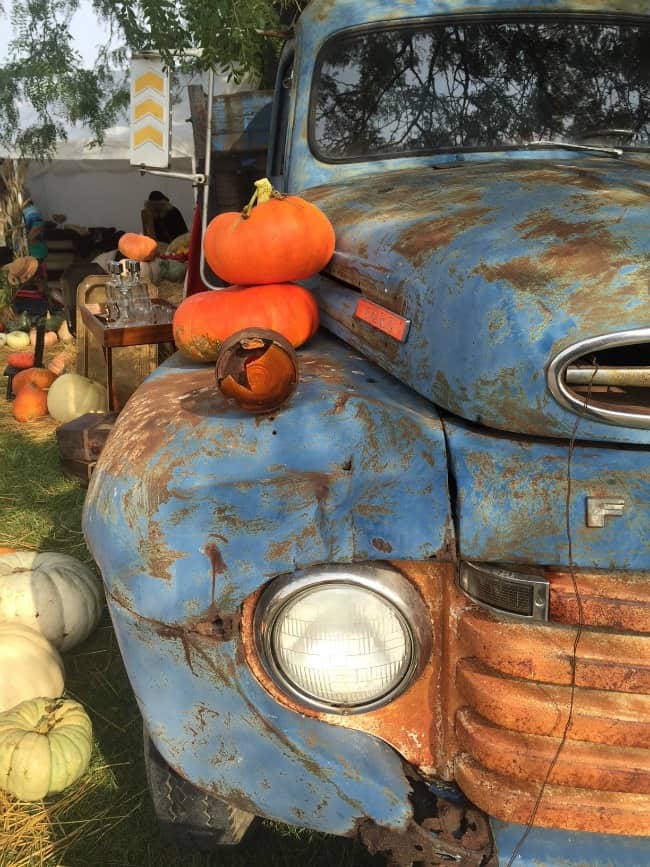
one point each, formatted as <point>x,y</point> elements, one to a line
<point>499,265</point>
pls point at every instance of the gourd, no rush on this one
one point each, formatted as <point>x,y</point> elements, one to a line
<point>172,269</point>
<point>204,320</point>
<point>3,338</point>
<point>140,247</point>
<point>49,337</point>
<point>57,364</point>
<point>63,332</point>
<point>53,593</point>
<point>275,239</point>
<point>72,395</point>
<point>18,340</point>
<point>31,666</point>
<point>30,403</point>
<point>38,376</point>
<point>45,746</point>
<point>21,360</point>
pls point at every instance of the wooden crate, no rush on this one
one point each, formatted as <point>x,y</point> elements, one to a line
<point>81,442</point>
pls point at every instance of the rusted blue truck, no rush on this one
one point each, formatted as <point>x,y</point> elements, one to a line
<point>413,604</point>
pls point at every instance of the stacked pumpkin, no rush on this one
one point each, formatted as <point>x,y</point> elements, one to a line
<point>49,602</point>
<point>275,241</point>
<point>40,391</point>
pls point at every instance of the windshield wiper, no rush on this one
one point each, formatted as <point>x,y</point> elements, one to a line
<point>595,149</point>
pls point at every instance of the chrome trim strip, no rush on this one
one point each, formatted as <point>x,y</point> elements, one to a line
<point>382,580</point>
<point>557,373</point>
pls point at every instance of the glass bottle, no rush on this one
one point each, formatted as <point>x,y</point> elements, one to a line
<point>142,308</point>
<point>113,295</point>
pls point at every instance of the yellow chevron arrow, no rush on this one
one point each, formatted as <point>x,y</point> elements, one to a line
<point>148,134</point>
<point>149,79</point>
<point>148,106</point>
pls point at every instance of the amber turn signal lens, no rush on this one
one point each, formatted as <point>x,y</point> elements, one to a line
<point>257,369</point>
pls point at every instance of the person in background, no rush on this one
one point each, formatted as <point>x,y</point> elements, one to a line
<point>35,228</point>
<point>162,220</point>
<point>34,297</point>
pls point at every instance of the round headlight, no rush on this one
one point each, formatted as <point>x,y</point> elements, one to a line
<point>342,638</point>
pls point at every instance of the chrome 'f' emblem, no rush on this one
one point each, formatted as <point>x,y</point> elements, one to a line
<point>599,508</point>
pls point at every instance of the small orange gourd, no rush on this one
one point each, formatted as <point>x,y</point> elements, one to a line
<point>57,364</point>
<point>140,247</point>
<point>275,239</point>
<point>30,403</point>
<point>203,321</point>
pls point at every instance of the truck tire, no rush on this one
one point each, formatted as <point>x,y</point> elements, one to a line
<point>189,817</point>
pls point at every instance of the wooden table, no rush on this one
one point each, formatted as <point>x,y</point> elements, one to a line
<point>109,335</point>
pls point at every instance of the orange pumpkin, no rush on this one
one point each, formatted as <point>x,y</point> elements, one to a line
<point>280,239</point>
<point>140,247</point>
<point>21,360</point>
<point>38,376</point>
<point>203,321</point>
<point>30,403</point>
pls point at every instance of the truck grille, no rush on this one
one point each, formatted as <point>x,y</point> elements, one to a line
<point>606,377</point>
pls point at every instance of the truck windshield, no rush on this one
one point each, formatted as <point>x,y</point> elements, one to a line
<point>468,86</point>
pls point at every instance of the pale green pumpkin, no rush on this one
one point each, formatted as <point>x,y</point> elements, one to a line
<point>45,746</point>
<point>53,593</point>
<point>30,665</point>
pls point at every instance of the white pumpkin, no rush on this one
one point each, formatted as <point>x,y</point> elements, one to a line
<point>72,395</point>
<point>3,338</point>
<point>18,340</point>
<point>53,593</point>
<point>45,746</point>
<point>29,664</point>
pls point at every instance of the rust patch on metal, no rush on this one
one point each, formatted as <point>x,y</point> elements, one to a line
<point>620,602</point>
<point>438,833</point>
<point>157,556</point>
<point>382,545</point>
<point>217,564</point>
<point>521,272</point>
<point>417,242</point>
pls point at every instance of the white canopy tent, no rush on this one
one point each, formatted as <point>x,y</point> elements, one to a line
<point>99,187</point>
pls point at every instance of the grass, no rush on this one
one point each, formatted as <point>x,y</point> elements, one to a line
<point>106,818</point>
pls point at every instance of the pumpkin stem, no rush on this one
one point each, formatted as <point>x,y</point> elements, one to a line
<point>263,192</point>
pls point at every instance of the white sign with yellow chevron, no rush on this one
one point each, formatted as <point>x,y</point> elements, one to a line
<point>150,112</point>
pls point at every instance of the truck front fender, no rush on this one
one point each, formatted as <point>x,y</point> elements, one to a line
<point>194,505</point>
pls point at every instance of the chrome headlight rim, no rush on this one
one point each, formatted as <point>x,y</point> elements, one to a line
<point>557,368</point>
<point>383,581</point>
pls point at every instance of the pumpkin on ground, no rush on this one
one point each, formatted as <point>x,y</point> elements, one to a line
<point>53,593</point>
<point>31,666</point>
<point>30,403</point>
<point>49,338</point>
<point>38,376</point>
<point>275,239</point>
<point>18,340</point>
<point>45,746</point>
<point>72,395</point>
<point>140,247</point>
<point>204,320</point>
